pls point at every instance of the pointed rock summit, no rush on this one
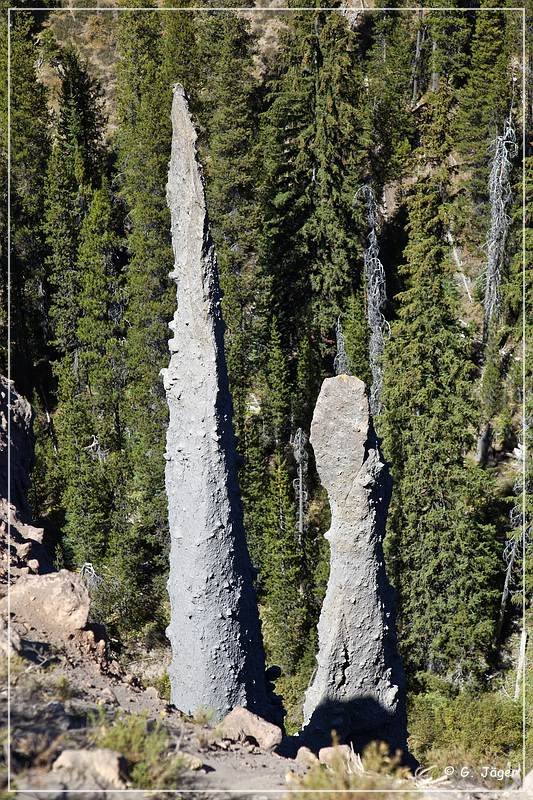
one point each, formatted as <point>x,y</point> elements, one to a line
<point>358,686</point>
<point>214,630</point>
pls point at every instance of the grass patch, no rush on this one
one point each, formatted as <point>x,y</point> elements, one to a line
<point>162,685</point>
<point>202,716</point>
<point>145,744</point>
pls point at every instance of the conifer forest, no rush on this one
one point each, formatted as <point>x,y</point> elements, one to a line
<point>364,172</point>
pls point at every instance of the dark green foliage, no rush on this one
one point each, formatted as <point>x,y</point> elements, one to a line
<point>225,104</point>
<point>143,145</point>
<point>253,480</point>
<point>355,330</point>
<point>29,134</point>
<point>450,36</point>
<point>465,729</point>
<point>287,133</point>
<point>407,103</point>
<point>491,383</point>
<point>278,397</point>
<point>338,160</point>
<point>72,171</point>
<point>485,99</point>
<point>389,122</point>
<point>439,538</point>
<point>284,614</point>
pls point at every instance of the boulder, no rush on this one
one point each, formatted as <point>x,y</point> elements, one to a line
<point>217,651</point>
<point>10,643</point>
<point>242,724</point>
<point>91,769</point>
<point>305,757</point>
<point>58,602</point>
<point>335,757</point>
<point>358,686</point>
<point>190,762</point>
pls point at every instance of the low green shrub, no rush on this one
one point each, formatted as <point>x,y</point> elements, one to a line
<point>146,746</point>
<point>465,730</point>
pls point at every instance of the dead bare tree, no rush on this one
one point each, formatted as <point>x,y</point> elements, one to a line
<point>500,195</point>
<point>341,363</point>
<point>299,447</point>
<point>376,297</point>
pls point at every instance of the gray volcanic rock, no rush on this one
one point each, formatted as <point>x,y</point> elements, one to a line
<point>214,630</point>
<point>358,686</point>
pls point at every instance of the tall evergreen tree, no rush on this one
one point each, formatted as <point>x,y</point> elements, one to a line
<point>79,244</point>
<point>278,398</point>
<point>388,119</point>
<point>74,167</point>
<point>287,132</point>
<point>356,337</point>
<point>284,613</point>
<point>143,143</point>
<point>338,168</point>
<point>225,107</point>
<point>485,99</point>
<point>30,144</point>
<point>442,549</point>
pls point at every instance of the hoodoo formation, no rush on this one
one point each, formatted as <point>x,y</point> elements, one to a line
<point>358,686</point>
<point>214,630</point>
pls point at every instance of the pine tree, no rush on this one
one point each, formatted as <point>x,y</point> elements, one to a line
<point>278,399</point>
<point>389,125</point>
<point>485,99</point>
<point>81,247</point>
<point>225,106</point>
<point>253,480</point>
<point>443,550</point>
<point>143,144</point>
<point>284,614</point>
<point>73,168</point>
<point>355,329</point>
<point>450,38</point>
<point>180,58</point>
<point>338,167</point>
<point>30,144</point>
<point>287,131</point>
<point>307,384</point>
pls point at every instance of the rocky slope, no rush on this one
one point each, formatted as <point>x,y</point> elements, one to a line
<point>22,550</point>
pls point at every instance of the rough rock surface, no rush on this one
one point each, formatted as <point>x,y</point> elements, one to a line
<point>358,686</point>
<point>242,724</point>
<point>218,660</point>
<point>336,756</point>
<point>305,757</point>
<point>27,553</point>
<point>58,602</point>
<point>91,769</point>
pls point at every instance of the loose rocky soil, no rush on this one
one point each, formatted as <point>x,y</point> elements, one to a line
<point>57,693</point>
<point>60,691</point>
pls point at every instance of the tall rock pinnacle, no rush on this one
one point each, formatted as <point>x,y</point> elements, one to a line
<point>358,686</point>
<point>214,630</point>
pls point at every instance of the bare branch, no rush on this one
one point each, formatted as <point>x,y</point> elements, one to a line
<point>500,196</point>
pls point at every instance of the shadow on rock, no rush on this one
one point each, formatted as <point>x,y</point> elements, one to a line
<point>357,723</point>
